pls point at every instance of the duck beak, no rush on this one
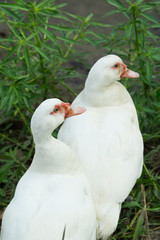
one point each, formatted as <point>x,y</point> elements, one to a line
<point>72,111</point>
<point>127,73</point>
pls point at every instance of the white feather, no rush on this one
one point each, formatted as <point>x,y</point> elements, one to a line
<point>107,141</point>
<point>53,194</point>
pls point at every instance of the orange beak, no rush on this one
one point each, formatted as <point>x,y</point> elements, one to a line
<point>72,111</point>
<point>127,73</point>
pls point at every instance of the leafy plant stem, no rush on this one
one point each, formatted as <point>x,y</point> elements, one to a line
<point>145,212</point>
<point>21,164</point>
<point>68,50</point>
<point>137,46</point>
<point>135,29</point>
<point>68,88</point>
<point>150,176</point>
<point>41,60</point>
<point>12,141</point>
<point>134,219</point>
<point>23,118</point>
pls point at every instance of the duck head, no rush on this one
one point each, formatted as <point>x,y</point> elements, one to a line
<point>49,115</point>
<point>107,70</point>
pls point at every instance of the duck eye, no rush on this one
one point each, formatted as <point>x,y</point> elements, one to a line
<point>116,65</point>
<point>56,109</point>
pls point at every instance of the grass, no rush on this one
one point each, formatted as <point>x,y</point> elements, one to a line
<point>37,63</point>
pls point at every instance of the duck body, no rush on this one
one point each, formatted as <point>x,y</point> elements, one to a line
<point>108,142</point>
<point>51,199</point>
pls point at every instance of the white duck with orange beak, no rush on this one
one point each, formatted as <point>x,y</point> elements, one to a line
<point>107,139</point>
<point>53,199</point>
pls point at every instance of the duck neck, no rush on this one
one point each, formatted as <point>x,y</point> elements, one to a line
<point>114,94</point>
<point>52,155</point>
<point>41,136</point>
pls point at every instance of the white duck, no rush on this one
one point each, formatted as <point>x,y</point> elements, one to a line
<point>53,196</point>
<point>107,139</point>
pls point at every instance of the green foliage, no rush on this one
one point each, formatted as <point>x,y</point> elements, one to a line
<point>136,41</point>
<point>36,50</point>
<point>37,63</point>
<point>36,60</point>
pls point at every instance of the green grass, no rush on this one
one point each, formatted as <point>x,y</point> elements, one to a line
<point>36,63</point>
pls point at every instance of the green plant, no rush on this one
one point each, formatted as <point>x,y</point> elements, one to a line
<point>136,41</point>
<point>37,57</point>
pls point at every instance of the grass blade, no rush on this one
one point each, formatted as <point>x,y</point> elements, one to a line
<point>139,225</point>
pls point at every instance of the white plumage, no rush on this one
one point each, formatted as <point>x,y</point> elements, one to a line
<point>107,139</point>
<point>53,194</point>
